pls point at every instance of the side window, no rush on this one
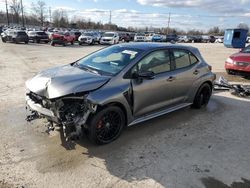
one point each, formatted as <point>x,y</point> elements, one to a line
<point>157,62</point>
<point>193,59</point>
<point>183,59</point>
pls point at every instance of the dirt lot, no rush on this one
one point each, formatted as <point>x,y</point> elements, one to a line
<point>206,148</point>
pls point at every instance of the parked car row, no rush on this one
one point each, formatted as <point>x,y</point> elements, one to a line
<point>62,37</point>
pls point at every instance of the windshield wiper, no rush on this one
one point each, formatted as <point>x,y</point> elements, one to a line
<point>89,69</point>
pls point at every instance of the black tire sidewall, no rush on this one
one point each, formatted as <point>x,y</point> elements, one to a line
<point>197,101</point>
<point>94,120</point>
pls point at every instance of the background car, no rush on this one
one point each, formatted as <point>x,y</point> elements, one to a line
<point>248,40</point>
<point>88,38</point>
<point>124,37</point>
<point>157,38</point>
<point>219,39</point>
<point>38,36</point>
<point>15,36</point>
<point>149,36</point>
<point>208,39</point>
<point>62,38</point>
<point>76,34</point>
<point>171,38</point>
<point>183,39</point>
<point>110,38</point>
<point>140,37</point>
<point>239,63</point>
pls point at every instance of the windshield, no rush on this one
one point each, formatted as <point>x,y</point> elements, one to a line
<point>21,33</point>
<point>87,34</point>
<point>246,50</point>
<point>108,34</point>
<point>41,33</point>
<point>140,34</point>
<point>109,61</point>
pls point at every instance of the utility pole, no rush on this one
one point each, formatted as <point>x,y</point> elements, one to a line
<point>22,12</point>
<point>110,17</point>
<point>50,15</point>
<point>7,13</point>
<point>169,17</point>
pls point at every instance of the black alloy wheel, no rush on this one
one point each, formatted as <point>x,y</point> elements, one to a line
<point>106,125</point>
<point>202,96</point>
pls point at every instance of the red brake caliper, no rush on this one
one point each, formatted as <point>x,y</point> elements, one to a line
<point>100,124</point>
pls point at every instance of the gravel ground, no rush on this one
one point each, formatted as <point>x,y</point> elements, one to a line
<point>206,148</point>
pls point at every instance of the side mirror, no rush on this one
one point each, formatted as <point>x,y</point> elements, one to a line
<point>148,75</point>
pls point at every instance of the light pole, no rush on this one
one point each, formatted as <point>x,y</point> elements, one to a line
<point>7,12</point>
<point>22,12</point>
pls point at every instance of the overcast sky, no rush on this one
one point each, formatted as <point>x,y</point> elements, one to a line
<point>185,14</point>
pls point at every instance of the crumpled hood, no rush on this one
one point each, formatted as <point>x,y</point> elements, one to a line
<point>64,80</point>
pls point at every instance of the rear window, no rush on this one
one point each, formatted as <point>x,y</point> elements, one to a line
<point>41,33</point>
<point>21,33</point>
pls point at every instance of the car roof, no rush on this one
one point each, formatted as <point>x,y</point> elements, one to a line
<point>147,46</point>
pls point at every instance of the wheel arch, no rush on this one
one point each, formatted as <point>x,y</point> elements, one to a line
<point>117,104</point>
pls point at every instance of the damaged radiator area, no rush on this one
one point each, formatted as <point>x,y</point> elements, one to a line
<point>235,89</point>
<point>70,113</point>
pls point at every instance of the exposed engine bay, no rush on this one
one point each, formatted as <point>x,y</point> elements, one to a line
<point>70,113</point>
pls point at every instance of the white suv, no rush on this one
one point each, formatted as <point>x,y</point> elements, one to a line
<point>139,37</point>
<point>87,38</point>
<point>110,38</point>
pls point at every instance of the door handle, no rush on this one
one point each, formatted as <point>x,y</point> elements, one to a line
<point>196,72</point>
<point>170,79</point>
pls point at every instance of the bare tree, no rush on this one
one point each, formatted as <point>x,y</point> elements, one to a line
<point>60,18</point>
<point>243,26</point>
<point>40,11</point>
<point>16,8</point>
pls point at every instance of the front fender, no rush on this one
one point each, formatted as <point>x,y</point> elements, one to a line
<point>108,95</point>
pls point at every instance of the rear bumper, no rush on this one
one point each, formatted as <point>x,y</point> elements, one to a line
<point>22,39</point>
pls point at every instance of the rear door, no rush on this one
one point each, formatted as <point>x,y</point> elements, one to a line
<point>186,72</point>
<point>153,94</point>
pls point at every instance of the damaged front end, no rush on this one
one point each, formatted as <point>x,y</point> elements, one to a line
<point>69,112</point>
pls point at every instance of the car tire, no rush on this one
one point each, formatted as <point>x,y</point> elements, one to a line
<point>72,42</point>
<point>3,40</point>
<point>202,96</point>
<point>26,42</point>
<point>80,43</point>
<point>229,72</point>
<point>106,125</point>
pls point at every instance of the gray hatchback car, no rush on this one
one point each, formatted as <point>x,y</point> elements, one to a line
<point>119,86</point>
